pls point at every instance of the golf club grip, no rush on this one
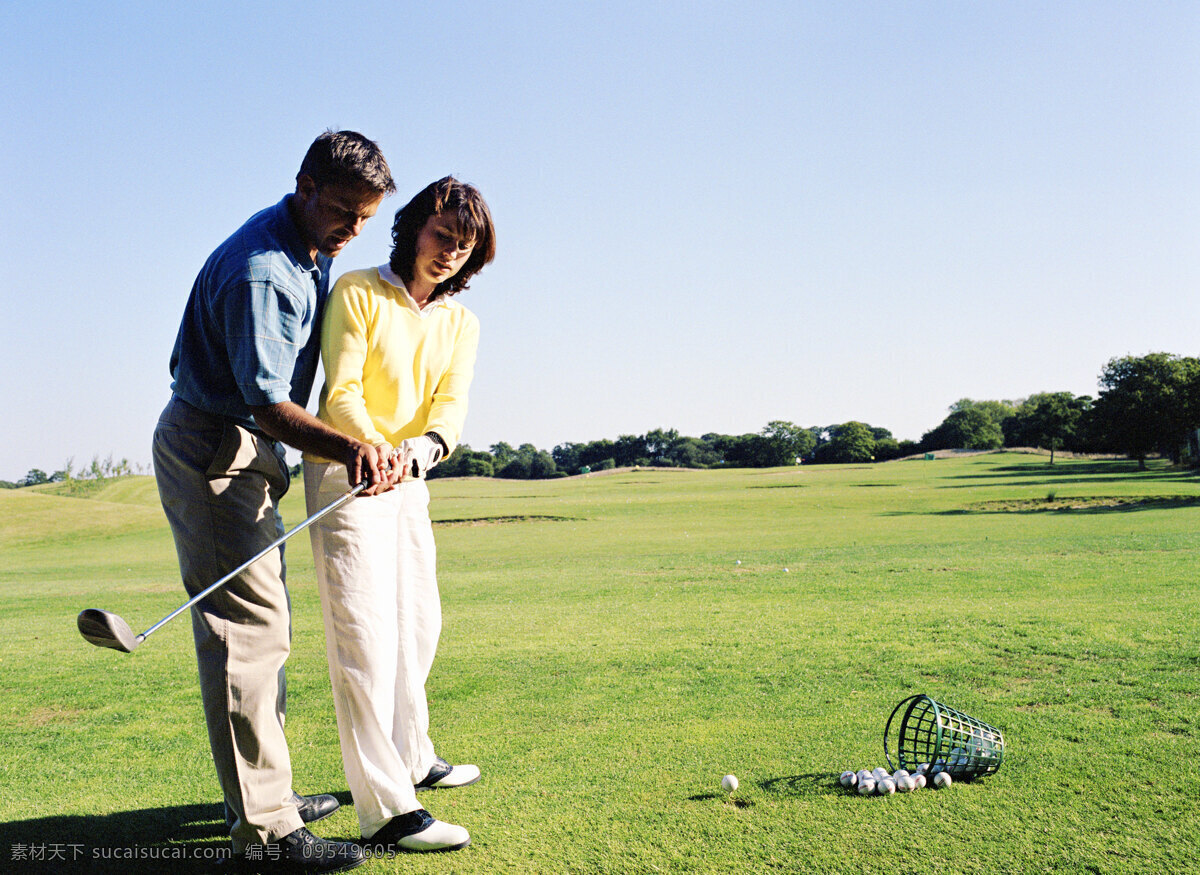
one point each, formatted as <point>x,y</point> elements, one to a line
<point>329,508</point>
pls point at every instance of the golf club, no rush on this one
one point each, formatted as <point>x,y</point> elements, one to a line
<point>106,629</point>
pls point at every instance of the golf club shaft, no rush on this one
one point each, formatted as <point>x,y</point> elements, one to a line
<point>329,508</point>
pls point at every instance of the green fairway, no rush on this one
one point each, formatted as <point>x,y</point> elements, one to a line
<point>614,644</point>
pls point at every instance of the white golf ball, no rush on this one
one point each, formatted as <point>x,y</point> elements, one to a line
<point>905,784</point>
<point>866,787</point>
<point>942,780</point>
<point>918,782</point>
<point>886,787</point>
<point>785,571</point>
<point>848,779</point>
<point>729,783</point>
<point>863,774</point>
<point>879,772</point>
<point>923,768</point>
<point>898,774</point>
<point>739,562</point>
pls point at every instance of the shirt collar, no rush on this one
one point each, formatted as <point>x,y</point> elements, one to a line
<point>390,277</point>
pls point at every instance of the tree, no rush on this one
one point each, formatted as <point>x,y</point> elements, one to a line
<point>516,469</point>
<point>529,463</point>
<point>35,477</point>
<point>967,428</point>
<point>887,448</point>
<point>464,462</point>
<point>1148,403</point>
<point>542,466</point>
<point>630,449</point>
<point>568,457</point>
<point>733,450</point>
<point>659,442</point>
<point>783,443</point>
<point>1047,419</point>
<point>996,411</point>
<point>502,454</point>
<point>852,442</point>
<point>690,452</point>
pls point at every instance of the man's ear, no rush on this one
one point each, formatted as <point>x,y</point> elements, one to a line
<point>305,186</point>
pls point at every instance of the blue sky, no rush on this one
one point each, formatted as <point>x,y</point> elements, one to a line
<point>710,215</point>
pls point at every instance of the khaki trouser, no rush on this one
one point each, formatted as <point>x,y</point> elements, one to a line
<point>220,484</point>
<point>376,570</point>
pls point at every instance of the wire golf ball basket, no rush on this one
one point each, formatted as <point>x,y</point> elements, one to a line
<point>943,739</point>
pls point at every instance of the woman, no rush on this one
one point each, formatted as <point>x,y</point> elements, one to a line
<point>398,354</point>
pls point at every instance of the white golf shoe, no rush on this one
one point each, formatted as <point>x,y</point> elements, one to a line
<point>417,832</point>
<point>443,775</point>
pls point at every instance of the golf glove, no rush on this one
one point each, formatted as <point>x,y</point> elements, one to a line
<point>419,454</point>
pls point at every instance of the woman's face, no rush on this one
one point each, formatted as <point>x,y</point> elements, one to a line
<point>442,249</point>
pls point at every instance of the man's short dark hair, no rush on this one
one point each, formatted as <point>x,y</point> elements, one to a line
<point>347,158</point>
<point>447,195</point>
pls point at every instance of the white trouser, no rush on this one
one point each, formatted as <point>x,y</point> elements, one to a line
<point>376,570</point>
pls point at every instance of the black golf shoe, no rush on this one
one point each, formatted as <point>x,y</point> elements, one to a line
<point>301,853</point>
<point>314,808</point>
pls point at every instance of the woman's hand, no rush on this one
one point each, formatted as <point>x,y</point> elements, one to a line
<point>419,454</point>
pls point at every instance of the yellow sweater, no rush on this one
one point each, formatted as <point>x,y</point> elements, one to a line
<point>392,371</point>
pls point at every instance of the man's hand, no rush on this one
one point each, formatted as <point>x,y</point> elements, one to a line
<point>292,424</point>
<point>419,454</point>
<point>365,462</point>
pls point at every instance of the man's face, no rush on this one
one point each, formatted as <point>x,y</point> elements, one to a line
<point>331,216</point>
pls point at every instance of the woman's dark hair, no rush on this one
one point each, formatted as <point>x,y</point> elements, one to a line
<point>347,158</point>
<point>447,195</point>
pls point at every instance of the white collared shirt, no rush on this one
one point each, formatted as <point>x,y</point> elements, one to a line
<point>389,276</point>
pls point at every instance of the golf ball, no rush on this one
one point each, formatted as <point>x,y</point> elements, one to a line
<point>918,781</point>
<point>898,774</point>
<point>905,784</point>
<point>729,783</point>
<point>866,787</point>
<point>886,787</point>
<point>942,780</point>
<point>880,773</point>
<point>848,779</point>
<point>922,768</point>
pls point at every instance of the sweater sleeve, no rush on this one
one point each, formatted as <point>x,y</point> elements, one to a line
<point>345,340</point>
<point>448,413</point>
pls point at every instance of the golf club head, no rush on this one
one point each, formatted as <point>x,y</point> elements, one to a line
<point>106,629</point>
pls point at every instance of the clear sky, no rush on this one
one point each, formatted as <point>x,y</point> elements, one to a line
<point>710,215</point>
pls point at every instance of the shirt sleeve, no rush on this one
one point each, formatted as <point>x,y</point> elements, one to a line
<point>345,339</point>
<point>263,325</point>
<point>448,413</point>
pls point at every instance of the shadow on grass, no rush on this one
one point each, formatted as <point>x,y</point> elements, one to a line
<point>723,797</point>
<point>1074,481</point>
<point>803,785</point>
<point>1083,472</point>
<point>182,840</point>
<point>1066,506</point>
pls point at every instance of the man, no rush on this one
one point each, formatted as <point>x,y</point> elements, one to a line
<point>243,367</point>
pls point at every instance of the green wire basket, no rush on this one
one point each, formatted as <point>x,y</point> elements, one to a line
<point>945,739</point>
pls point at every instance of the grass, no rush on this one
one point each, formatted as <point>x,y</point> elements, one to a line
<point>614,645</point>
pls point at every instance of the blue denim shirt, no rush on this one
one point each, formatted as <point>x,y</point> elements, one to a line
<point>249,334</point>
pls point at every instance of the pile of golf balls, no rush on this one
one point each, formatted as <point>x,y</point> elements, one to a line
<point>881,782</point>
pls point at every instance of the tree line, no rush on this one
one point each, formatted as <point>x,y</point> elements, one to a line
<point>1146,405</point>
